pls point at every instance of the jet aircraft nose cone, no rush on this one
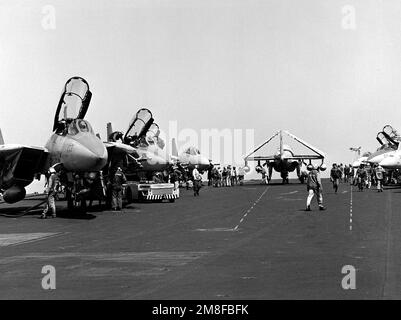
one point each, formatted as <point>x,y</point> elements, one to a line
<point>97,152</point>
<point>87,154</point>
<point>204,161</point>
<point>391,162</point>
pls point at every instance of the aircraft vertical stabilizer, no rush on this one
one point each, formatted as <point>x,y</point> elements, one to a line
<point>109,131</point>
<point>174,149</point>
<point>1,138</point>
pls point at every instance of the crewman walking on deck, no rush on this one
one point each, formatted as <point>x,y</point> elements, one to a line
<point>321,168</point>
<point>361,177</point>
<point>241,175</point>
<point>52,182</point>
<point>117,190</point>
<point>314,187</point>
<point>197,181</point>
<point>346,173</point>
<point>335,175</point>
<point>341,168</point>
<point>352,174</point>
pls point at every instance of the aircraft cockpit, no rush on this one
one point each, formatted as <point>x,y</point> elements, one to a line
<point>73,103</point>
<point>73,127</point>
<point>138,128</point>
<point>192,151</point>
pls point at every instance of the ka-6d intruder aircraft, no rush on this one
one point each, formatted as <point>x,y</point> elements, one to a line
<point>190,158</point>
<point>284,160</point>
<point>73,148</point>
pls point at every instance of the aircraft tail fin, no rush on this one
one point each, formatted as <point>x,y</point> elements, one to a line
<point>109,131</point>
<point>1,138</point>
<point>174,149</point>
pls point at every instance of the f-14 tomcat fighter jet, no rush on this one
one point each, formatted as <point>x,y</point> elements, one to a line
<point>392,158</point>
<point>285,160</point>
<point>389,140</point>
<point>73,147</point>
<point>143,137</point>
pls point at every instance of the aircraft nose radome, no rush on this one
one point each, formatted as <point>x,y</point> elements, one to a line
<point>96,146</point>
<point>88,155</point>
<point>205,161</point>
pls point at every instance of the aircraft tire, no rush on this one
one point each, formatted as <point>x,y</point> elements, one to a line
<point>70,201</point>
<point>128,195</point>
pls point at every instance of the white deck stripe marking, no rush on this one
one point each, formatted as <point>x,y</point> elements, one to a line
<point>22,238</point>
<point>350,212</point>
<point>249,210</point>
<point>292,192</point>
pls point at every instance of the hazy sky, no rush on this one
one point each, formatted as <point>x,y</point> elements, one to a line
<point>237,64</point>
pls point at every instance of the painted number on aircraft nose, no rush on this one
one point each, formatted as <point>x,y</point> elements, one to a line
<point>69,147</point>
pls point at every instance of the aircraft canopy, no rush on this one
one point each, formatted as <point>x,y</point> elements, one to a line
<point>140,124</point>
<point>192,151</point>
<point>74,101</point>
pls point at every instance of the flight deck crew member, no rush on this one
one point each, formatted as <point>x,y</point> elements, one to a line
<point>175,177</point>
<point>215,177</point>
<point>322,167</point>
<point>341,168</point>
<point>234,177</point>
<point>51,189</point>
<point>352,174</point>
<point>368,179</point>
<point>314,187</point>
<point>361,177</point>
<point>335,175</point>
<point>379,173</point>
<point>265,177</point>
<point>117,190</point>
<point>229,176</point>
<point>346,173</point>
<point>197,180</point>
<point>210,174</point>
<point>241,175</point>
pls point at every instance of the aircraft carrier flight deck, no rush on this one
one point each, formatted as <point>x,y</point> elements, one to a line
<point>244,242</point>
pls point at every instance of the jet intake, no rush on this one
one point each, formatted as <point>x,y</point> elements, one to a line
<point>14,194</point>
